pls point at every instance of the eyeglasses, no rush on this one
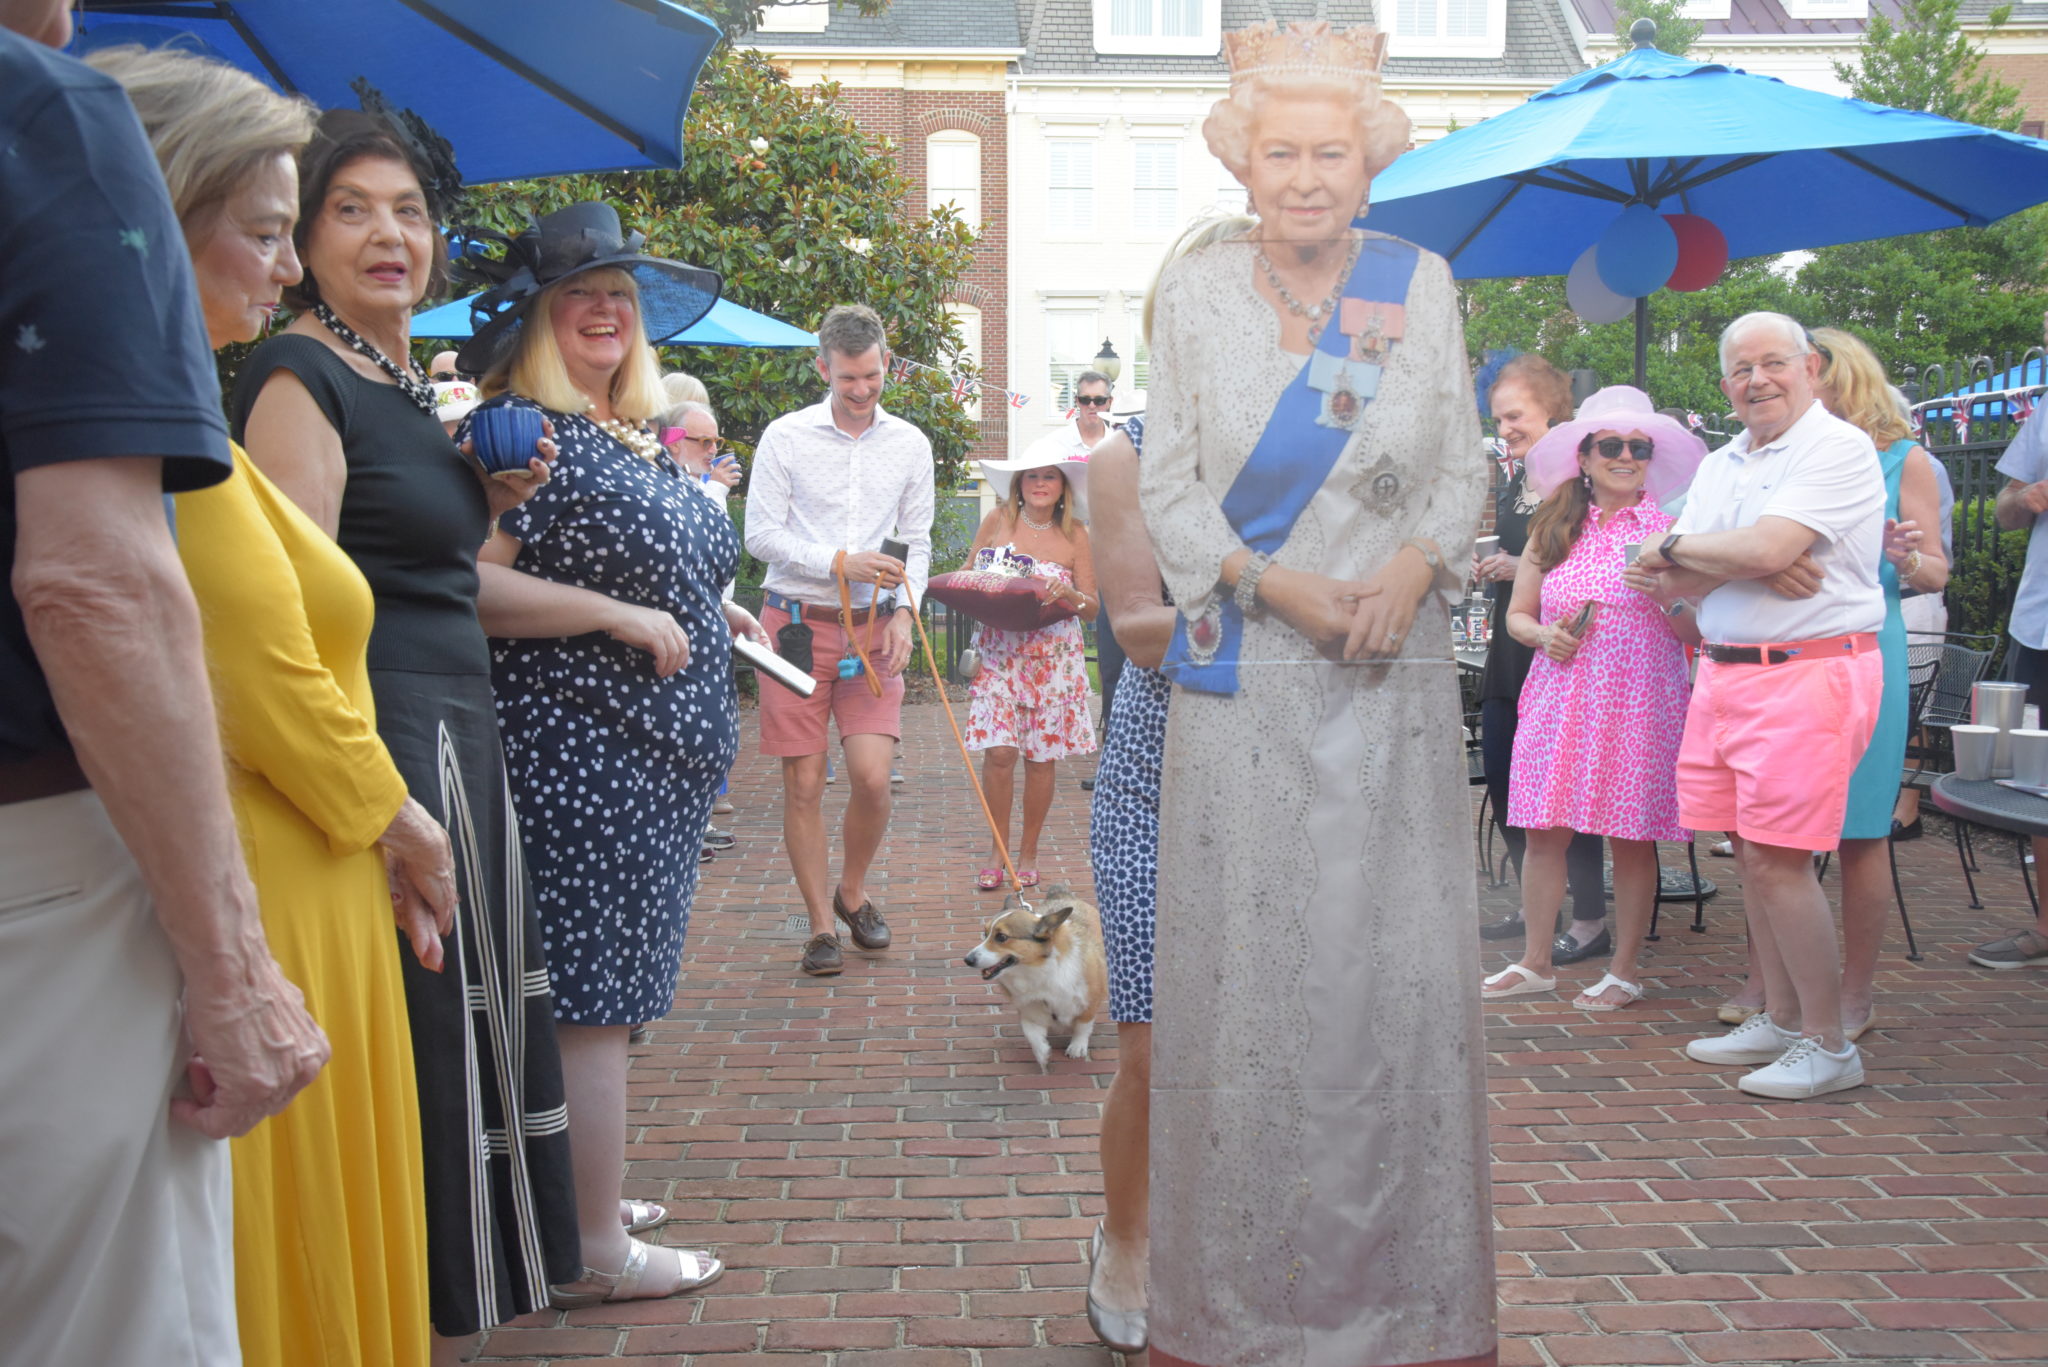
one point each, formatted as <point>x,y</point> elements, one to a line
<point>671,435</point>
<point>443,376</point>
<point>1092,400</point>
<point>1773,367</point>
<point>1610,448</point>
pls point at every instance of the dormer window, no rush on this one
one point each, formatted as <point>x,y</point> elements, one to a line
<point>1159,28</point>
<point>1448,28</point>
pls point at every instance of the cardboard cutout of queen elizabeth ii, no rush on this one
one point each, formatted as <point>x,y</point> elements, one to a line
<point>1311,474</point>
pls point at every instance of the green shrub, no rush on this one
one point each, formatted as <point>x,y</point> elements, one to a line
<point>1987,570</point>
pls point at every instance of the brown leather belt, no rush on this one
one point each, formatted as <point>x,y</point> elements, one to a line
<point>1785,652</point>
<point>797,610</point>
<point>49,774</point>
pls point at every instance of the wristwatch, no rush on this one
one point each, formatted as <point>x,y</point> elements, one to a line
<point>1429,554</point>
<point>1667,546</point>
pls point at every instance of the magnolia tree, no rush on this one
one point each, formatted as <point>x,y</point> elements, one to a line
<point>798,209</point>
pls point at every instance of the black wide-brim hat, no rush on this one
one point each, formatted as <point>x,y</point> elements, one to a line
<point>568,242</point>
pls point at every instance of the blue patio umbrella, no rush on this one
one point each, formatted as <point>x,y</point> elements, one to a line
<point>519,87</point>
<point>728,324</point>
<point>1775,167</point>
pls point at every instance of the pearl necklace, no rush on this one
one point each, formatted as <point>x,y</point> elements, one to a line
<point>1318,315</point>
<point>1028,521</point>
<point>634,438</point>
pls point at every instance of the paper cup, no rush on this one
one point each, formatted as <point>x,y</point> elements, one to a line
<point>1974,747</point>
<point>1629,551</point>
<point>1485,546</point>
<point>2030,757</point>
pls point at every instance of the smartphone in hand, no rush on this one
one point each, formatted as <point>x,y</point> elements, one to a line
<point>1582,621</point>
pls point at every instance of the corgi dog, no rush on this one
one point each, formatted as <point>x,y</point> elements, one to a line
<point>1048,961</point>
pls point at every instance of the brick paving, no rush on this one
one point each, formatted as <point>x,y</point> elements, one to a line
<point>895,1185</point>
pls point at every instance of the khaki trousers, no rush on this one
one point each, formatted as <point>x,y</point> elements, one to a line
<point>116,1245</point>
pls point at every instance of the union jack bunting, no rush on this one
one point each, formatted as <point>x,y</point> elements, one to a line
<point>2023,407</point>
<point>1695,421</point>
<point>963,388</point>
<point>1962,425</point>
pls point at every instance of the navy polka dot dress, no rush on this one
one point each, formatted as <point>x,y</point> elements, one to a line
<point>614,770</point>
<point>1123,829</point>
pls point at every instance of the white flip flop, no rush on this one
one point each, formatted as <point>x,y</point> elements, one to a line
<point>1499,986</point>
<point>1634,990</point>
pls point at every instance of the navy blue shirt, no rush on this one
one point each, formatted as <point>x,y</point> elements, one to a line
<point>102,342</point>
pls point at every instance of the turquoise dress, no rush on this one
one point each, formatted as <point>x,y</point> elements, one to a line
<point>1874,787</point>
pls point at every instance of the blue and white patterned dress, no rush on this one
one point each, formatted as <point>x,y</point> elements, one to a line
<point>1123,827</point>
<point>614,769</point>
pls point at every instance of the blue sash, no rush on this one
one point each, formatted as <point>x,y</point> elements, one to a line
<point>1300,446</point>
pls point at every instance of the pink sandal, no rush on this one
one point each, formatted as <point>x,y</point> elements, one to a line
<point>988,880</point>
<point>1027,878</point>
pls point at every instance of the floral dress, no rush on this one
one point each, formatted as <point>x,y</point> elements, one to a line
<point>1596,748</point>
<point>1032,691</point>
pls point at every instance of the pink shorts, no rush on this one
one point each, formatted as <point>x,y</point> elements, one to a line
<point>793,726</point>
<point>1768,749</point>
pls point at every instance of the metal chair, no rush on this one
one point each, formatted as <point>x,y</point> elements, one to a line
<point>1962,661</point>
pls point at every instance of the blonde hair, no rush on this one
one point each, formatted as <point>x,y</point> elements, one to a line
<point>1203,232</point>
<point>1062,512</point>
<point>1382,125</point>
<point>684,388</point>
<point>210,124</point>
<point>535,369</point>
<point>1855,381</point>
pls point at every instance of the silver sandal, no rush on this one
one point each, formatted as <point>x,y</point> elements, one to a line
<point>624,1285</point>
<point>646,1215</point>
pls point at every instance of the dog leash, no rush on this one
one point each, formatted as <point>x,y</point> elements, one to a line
<point>867,668</point>
<point>967,758</point>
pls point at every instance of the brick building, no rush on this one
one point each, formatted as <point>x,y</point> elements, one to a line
<point>932,76</point>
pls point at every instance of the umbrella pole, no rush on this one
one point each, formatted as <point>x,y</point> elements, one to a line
<point>1643,343</point>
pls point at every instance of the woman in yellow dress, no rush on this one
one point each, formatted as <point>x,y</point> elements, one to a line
<point>330,1229</point>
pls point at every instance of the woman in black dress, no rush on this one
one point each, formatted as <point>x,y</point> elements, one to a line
<point>334,412</point>
<point>613,666</point>
<point>1529,397</point>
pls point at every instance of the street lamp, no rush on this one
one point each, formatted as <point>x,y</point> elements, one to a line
<point>1108,362</point>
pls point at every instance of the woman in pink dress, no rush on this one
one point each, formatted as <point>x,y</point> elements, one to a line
<point>1031,696</point>
<point>1603,708</point>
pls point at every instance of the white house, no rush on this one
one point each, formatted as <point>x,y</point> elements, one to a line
<point>1108,162</point>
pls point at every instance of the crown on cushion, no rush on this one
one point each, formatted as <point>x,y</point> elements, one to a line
<point>1306,48</point>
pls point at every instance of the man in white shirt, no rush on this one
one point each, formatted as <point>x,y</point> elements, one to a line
<point>2023,502</point>
<point>830,484</point>
<point>1788,688</point>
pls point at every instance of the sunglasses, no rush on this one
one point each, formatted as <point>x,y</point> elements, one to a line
<point>1610,448</point>
<point>443,376</point>
<point>671,435</point>
<point>1092,400</point>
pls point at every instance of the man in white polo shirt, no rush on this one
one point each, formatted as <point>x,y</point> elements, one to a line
<point>1788,688</point>
<point>830,483</point>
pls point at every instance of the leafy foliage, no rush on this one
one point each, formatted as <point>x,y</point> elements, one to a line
<point>1934,296</point>
<point>1986,573</point>
<point>1683,369</point>
<point>1675,32</point>
<point>787,198</point>
<point>1925,61</point>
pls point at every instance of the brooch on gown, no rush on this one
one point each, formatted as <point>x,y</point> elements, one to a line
<point>1205,634</point>
<point>1379,488</point>
<point>1350,381</point>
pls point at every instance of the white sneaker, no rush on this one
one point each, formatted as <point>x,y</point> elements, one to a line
<point>1756,1040</point>
<point>1807,1070</point>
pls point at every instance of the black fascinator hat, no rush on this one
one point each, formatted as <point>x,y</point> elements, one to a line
<point>568,242</point>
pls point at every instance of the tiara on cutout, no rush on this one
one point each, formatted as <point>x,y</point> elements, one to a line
<point>1306,48</point>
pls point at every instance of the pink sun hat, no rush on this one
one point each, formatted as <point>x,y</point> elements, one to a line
<point>1618,408</point>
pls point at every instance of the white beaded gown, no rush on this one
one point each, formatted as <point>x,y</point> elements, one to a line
<point>1320,1180</point>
